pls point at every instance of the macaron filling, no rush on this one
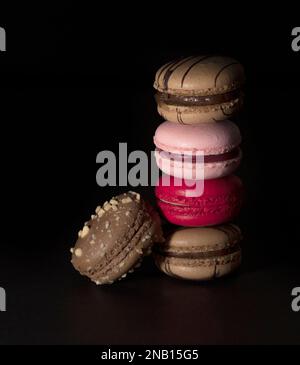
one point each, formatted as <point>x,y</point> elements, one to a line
<point>196,100</point>
<point>172,203</point>
<point>198,255</point>
<point>234,153</point>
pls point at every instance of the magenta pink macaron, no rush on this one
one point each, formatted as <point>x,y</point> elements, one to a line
<point>178,148</point>
<point>180,204</point>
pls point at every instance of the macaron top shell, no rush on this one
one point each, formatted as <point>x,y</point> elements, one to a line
<point>209,138</point>
<point>184,192</point>
<point>202,238</point>
<point>200,75</point>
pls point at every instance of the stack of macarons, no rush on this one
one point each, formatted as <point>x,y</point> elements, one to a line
<point>198,150</point>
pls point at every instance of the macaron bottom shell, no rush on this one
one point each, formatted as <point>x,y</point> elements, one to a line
<point>198,270</point>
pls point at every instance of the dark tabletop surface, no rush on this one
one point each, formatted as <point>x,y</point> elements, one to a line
<point>49,303</point>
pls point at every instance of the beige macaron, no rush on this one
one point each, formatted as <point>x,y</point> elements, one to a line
<point>199,89</point>
<point>200,253</point>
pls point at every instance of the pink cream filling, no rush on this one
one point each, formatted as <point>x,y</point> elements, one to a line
<point>207,158</point>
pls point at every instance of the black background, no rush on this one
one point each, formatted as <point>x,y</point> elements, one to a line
<point>78,80</point>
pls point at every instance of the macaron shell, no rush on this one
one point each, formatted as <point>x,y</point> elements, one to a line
<point>190,170</point>
<point>184,192</point>
<point>204,239</point>
<point>220,202</point>
<point>193,270</point>
<point>209,215</point>
<point>207,138</point>
<point>200,114</point>
<point>200,75</point>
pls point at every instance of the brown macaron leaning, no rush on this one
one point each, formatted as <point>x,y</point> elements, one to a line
<point>115,239</point>
<point>200,253</point>
<point>199,89</point>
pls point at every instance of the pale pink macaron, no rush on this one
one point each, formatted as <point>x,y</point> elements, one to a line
<point>179,149</point>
